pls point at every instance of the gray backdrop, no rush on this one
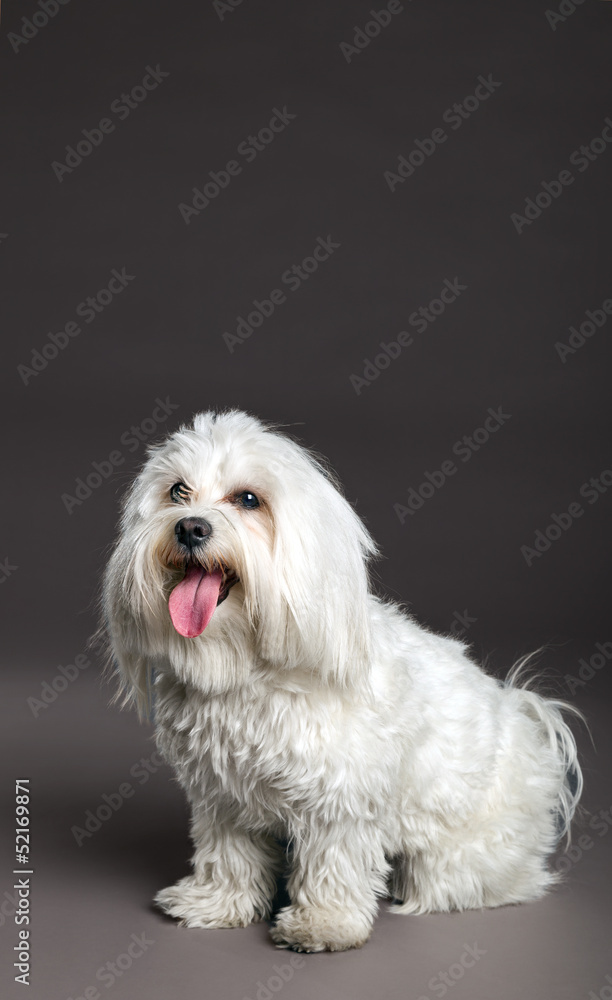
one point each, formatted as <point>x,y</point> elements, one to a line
<point>170,173</point>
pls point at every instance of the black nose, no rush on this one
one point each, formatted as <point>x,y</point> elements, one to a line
<point>192,531</point>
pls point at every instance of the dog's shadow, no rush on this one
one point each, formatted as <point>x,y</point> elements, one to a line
<point>144,849</point>
<point>158,856</point>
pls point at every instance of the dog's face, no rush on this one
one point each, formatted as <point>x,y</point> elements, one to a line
<point>205,509</point>
<point>235,543</point>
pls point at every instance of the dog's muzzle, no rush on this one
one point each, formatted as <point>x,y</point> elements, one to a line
<point>206,582</point>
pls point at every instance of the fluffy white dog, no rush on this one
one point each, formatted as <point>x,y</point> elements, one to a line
<point>296,705</point>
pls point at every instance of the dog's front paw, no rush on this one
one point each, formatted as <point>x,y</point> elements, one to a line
<point>310,928</point>
<point>197,904</point>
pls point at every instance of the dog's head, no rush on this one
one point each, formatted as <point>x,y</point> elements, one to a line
<point>237,553</point>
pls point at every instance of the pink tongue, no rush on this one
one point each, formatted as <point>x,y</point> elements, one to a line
<point>193,601</point>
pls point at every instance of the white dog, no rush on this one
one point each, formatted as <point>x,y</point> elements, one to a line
<point>295,705</point>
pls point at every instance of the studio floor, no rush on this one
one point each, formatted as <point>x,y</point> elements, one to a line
<point>93,927</point>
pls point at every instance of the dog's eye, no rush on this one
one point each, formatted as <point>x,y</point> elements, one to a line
<point>247,499</point>
<point>179,493</point>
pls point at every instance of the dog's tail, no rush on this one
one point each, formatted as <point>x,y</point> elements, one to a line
<point>549,713</point>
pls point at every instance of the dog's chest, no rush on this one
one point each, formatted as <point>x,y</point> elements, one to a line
<point>271,758</point>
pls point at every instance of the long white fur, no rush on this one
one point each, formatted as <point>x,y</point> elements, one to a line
<point>310,710</point>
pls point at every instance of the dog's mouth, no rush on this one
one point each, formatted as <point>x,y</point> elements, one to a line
<point>195,598</point>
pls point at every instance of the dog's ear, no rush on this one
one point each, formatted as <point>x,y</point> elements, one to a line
<point>119,630</point>
<point>135,681</point>
<point>321,620</point>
